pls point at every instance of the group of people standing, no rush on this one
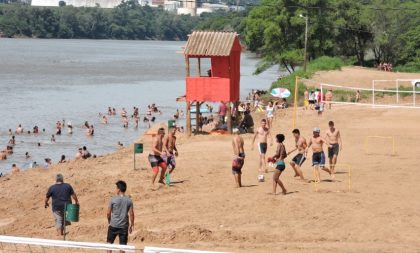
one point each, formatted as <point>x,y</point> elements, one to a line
<point>262,139</point>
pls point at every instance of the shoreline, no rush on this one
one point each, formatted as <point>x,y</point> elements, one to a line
<point>207,212</point>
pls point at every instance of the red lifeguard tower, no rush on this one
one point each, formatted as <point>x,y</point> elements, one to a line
<point>221,84</point>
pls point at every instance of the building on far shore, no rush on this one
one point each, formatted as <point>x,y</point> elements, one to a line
<point>78,3</point>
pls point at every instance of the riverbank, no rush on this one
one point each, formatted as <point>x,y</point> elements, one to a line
<point>203,210</point>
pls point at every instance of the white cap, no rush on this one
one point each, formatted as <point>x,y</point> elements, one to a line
<point>317,130</point>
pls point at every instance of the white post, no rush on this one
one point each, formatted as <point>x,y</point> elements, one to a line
<point>414,95</point>
<point>397,84</point>
<point>373,93</point>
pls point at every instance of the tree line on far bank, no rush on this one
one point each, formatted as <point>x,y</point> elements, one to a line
<point>128,21</point>
<point>361,32</point>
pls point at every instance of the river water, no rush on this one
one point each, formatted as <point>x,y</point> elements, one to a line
<point>44,81</point>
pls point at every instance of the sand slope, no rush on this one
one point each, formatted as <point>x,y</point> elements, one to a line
<point>203,210</point>
<point>362,77</point>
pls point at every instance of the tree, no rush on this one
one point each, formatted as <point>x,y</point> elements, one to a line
<point>276,31</point>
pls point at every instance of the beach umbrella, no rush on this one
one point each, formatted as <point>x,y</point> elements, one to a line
<point>280,93</point>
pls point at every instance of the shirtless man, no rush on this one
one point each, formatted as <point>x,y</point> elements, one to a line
<point>335,145</point>
<point>155,157</point>
<point>19,129</point>
<point>318,156</point>
<point>170,147</point>
<point>300,158</point>
<point>262,133</point>
<point>3,155</point>
<point>238,158</point>
<point>12,141</point>
<point>79,154</point>
<point>124,113</point>
<point>15,169</point>
<point>104,120</point>
<point>328,98</point>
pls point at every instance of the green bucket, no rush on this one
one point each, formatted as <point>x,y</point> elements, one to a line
<point>171,123</point>
<point>72,212</point>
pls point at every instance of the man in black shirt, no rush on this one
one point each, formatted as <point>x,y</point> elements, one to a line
<point>61,194</point>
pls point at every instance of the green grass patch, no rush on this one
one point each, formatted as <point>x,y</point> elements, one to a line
<point>288,82</point>
<point>412,67</point>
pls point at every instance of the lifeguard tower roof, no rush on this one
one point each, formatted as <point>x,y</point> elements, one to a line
<point>207,44</point>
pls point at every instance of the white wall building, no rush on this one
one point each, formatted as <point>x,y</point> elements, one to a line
<point>79,3</point>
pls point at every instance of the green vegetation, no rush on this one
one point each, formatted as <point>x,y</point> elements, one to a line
<point>128,21</point>
<point>382,30</point>
<point>322,63</point>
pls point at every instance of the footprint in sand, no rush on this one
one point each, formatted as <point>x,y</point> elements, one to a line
<point>7,221</point>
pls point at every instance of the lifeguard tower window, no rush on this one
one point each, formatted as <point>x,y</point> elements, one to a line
<point>200,67</point>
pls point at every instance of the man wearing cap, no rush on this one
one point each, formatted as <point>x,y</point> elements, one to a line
<point>318,155</point>
<point>61,194</point>
<point>155,157</point>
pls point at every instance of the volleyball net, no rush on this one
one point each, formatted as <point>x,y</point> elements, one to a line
<point>399,93</point>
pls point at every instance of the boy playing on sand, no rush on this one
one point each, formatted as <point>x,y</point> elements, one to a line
<point>262,133</point>
<point>239,157</point>
<point>170,147</point>
<point>279,157</point>
<point>318,156</point>
<point>120,216</point>
<point>300,158</point>
<point>155,157</point>
<point>335,145</point>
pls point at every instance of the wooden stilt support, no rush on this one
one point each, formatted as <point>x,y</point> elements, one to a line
<point>229,117</point>
<point>188,109</point>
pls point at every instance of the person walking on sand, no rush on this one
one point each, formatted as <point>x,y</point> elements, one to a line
<point>300,158</point>
<point>222,112</point>
<point>262,134</point>
<point>171,149</point>
<point>279,157</point>
<point>329,98</point>
<point>269,110</point>
<point>318,155</point>
<point>61,194</point>
<point>120,215</point>
<point>239,157</point>
<point>155,157</point>
<point>335,145</point>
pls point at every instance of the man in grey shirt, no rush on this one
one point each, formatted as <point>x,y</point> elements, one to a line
<point>120,215</point>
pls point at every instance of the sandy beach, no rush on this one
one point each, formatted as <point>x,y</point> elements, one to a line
<point>203,210</point>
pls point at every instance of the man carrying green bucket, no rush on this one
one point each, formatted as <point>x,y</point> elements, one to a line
<point>61,194</point>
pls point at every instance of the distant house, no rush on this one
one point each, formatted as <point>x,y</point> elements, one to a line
<point>79,3</point>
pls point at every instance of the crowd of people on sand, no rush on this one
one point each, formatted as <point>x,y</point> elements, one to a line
<point>82,152</point>
<point>384,66</point>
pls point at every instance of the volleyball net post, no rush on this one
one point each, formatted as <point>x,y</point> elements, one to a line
<point>295,101</point>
